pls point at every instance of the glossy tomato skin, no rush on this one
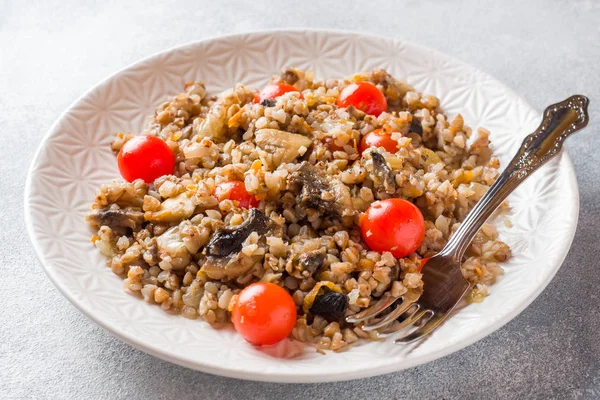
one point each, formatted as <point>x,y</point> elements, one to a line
<point>145,157</point>
<point>378,138</point>
<point>274,90</point>
<point>235,191</point>
<point>264,313</point>
<point>394,225</point>
<point>365,96</point>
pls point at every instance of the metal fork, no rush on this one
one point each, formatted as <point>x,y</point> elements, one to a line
<point>443,283</point>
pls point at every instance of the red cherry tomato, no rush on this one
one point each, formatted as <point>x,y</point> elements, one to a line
<point>145,157</point>
<point>394,225</point>
<point>378,138</point>
<point>235,191</point>
<point>264,313</point>
<point>365,96</point>
<point>274,90</point>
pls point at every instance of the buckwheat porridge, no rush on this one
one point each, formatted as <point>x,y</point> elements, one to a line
<point>276,187</point>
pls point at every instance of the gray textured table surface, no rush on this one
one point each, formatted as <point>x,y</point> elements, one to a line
<point>51,53</point>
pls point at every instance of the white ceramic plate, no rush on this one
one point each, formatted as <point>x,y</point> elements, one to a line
<point>74,158</point>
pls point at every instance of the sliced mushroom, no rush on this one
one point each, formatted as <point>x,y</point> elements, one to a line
<point>306,264</point>
<point>118,220</point>
<point>309,185</point>
<point>314,191</point>
<point>227,268</point>
<point>123,194</point>
<point>223,258</point>
<point>280,146</point>
<point>228,241</point>
<point>311,261</point>
<point>382,173</point>
<point>174,209</point>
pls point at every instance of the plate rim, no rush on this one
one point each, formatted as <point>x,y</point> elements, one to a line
<point>290,376</point>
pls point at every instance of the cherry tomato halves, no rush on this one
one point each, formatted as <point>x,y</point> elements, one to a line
<point>378,138</point>
<point>145,157</point>
<point>274,90</point>
<point>235,191</point>
<point>264,313</point>
<point>365,96</point>
<point>394,225</point>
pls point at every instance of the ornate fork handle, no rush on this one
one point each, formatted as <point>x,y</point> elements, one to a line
<point>559,122</point>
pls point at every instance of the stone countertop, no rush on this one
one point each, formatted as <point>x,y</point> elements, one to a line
<point>51,52</point>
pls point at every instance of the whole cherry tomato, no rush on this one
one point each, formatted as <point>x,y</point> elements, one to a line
<point>394,225</point>
<point>365,96</point>
<point>145,157</point>
<point>264,313</point>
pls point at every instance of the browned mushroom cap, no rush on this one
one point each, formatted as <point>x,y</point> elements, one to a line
<point>118,220</point>
<point>280,146</point>
<point>223,258</point>
<point>227,268</point>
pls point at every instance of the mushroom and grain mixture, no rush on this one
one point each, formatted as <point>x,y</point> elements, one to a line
<point>313,196</point>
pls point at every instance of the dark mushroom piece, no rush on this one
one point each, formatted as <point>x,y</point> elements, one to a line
<point>331,306</point>
<point>311,261</point>
<point>119,220</point>
<point>326,300</point>
<point>228,241</point>
<point>382,173</point>
<point>416,127</point>
<point>223,258</point>
<point>268,103</point>
<point>306,264</point>
<point>330,197</point>
<point>309,184</point>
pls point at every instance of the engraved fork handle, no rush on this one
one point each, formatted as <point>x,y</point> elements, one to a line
<point>559,122</point>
